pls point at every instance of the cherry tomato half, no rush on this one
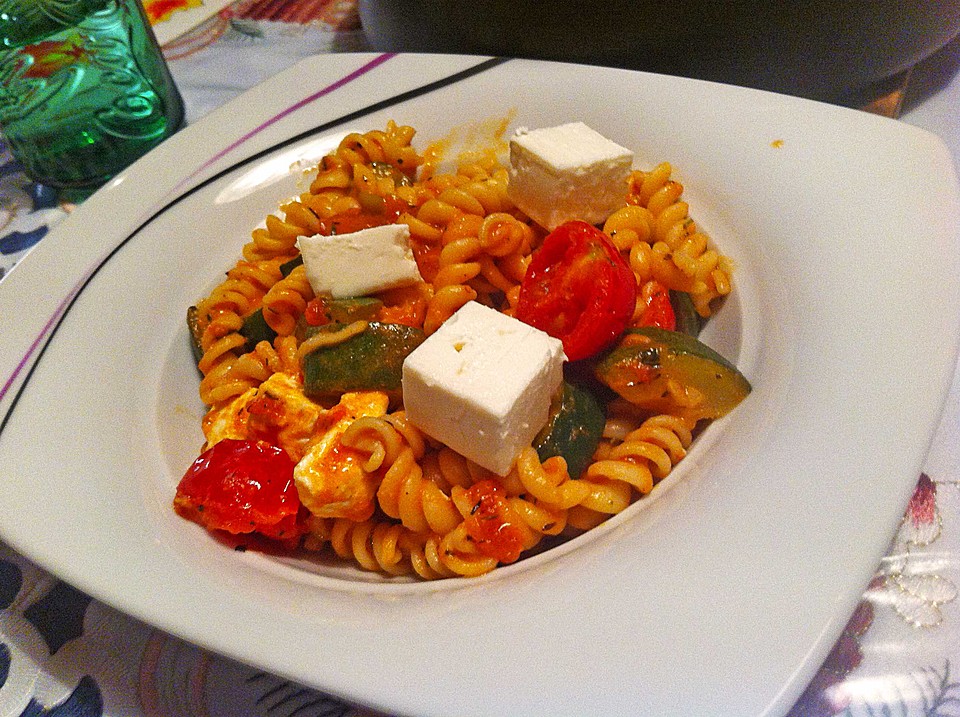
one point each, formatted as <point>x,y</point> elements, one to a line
<point>578,289</point>
<point>241,487</point>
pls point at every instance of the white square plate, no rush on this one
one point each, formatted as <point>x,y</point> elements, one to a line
<point>721,595</point>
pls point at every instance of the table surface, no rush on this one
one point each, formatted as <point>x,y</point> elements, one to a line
<point>62,653</point>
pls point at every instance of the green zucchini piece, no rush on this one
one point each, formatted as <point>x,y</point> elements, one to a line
<point>288,266</point>
<point>255,329</point>
<point>370,361</point>
<point>346,311</point>
<point>193,324</point>
<point>672,372</point>
<point>688,320</point>
<point>341,312</point>
<point>573,430</point>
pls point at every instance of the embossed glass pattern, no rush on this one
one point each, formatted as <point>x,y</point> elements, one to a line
<point>84,89</point>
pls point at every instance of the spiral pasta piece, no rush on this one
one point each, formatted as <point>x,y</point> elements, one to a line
<point>432,501</point>
<point>460,249</point>
<point>532,517</point>
<point>374,545</point>
<point>220,317</point>
<point>459,554</point>
<point>455,470</point>
<point>415,500</point>
<point>479,255</point>
<point>539,519</point>
<point>549,481</point>
<point>433,557</point>
<point>278,237</point>
<point>286,301</point>
<point>221,313</point>
<point>350,165</point>
<point>645,456</point>
<point>404,494</point>
<point>424,555</point>
<point>327,204</point>
<point>233,375</point>
<point>445,303</point>
<point>663,241</point>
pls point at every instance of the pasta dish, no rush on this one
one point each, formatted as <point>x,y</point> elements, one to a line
<point>432,373</point>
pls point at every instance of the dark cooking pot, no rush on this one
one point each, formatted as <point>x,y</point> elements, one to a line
<point>821,50</point>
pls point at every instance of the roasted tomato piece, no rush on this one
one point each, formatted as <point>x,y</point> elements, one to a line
<point>493,525</point>
<point>658,309</point>
<point>578,289</point>
<point>241,487</point>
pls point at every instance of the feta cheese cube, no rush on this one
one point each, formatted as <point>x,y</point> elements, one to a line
<point>567,172</point>
<point>360,263</point>
<point>482,384</point>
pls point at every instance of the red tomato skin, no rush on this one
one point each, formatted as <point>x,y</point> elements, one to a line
<point>659,310</point>
<point>579,289</point>
<point>241,487</point>
<point>315,312</point>
<point>492,524</point>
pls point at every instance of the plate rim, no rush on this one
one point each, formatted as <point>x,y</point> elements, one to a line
<point>143,167</point>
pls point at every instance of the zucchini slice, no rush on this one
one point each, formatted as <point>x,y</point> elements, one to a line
<point>255,329</point>
<point>369,361</point>
<point>672,372</point>
<point>688,320</point>
<point>360,308</point>
<point>573,430</point>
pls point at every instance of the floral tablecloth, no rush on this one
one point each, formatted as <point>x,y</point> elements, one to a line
<point>63,654</point>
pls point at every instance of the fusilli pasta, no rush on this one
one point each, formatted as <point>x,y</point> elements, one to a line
<point>433,508</point>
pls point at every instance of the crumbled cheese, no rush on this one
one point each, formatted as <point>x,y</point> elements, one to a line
<point>567,172</point>
<point>359,263</point>
<point>286,417</point>
<point>482,384</point>
<point>330,480</point>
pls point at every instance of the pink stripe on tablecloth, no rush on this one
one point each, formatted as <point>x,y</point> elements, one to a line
<point>299,11</point>
<point>307,10</point>
<point>266,10</point>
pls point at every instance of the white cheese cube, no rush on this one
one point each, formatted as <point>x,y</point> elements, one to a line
<point>567,172</point>
<point>482,384</point>
<point>359,263</point>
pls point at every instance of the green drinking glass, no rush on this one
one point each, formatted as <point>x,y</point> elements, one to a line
<point>84,89</point>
